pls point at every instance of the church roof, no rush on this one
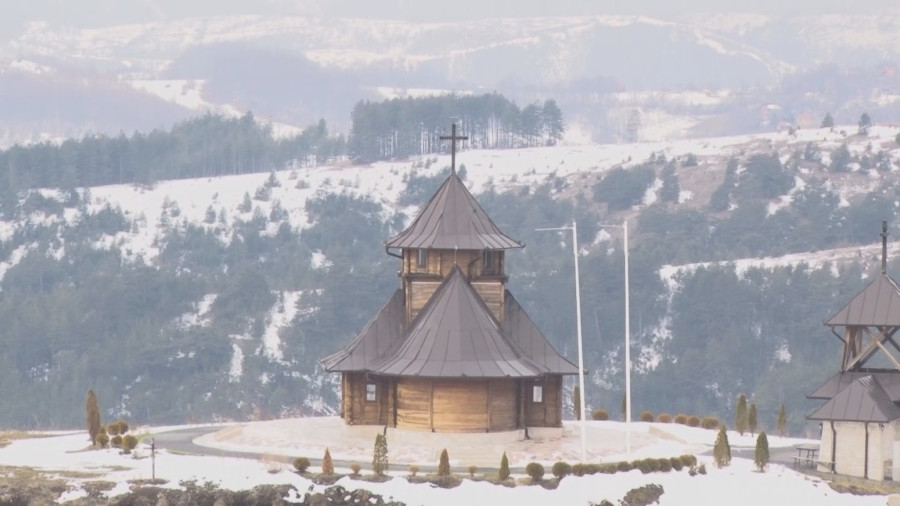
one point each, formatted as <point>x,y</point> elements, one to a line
<point>455,335</point>
<point>452,219</point>
<point>380,334</point>
<point>888,378</point>
<point>877,304</point>
<point>863,400</point>
<point>521,330</point>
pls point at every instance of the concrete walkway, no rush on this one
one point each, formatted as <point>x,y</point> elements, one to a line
<point>606,442</point>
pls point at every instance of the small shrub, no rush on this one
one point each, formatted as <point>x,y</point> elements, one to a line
<point>676,463</point>
<point>354,469</point>
<point>327,464</point>
<point>665,465</point>
<point>116,441</point>
<point>710,422</point>
<point>102,430</point>
<point>599,414</point>
<point>688,460</point>
<point>693,421</point>
<point>644,466</point>
<point>578,469</point>
<point>444,464</point>
<point>504,468</point>
<point>301,464</point>
<point>102,440</point>
<point>602,468</point>
<point>113,429</point>
<point>701,469</point>
<point>623,466</point>
<point>681,418</point>
<point>646,416</point>
<point>692,471</point>
<point>654,464</point>
<point>380,455</point>
<point>472,471</point>
<point>129,443</point>
<point>664,418</point>
<point>561,469</point>
<point>123,426</point>
<point>535,470</point>
<point>413,470</point>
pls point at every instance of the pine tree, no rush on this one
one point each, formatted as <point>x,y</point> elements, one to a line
<point>92,408</point>
<point>827,121</point>
<point>576,401</point>
<point>751,419</point>
<point>722,450</point>
<point>504,467</point>
<point>444,465</point>
<point>380,457</point>
<point>781,424</point>
<point>740,415</point>
<point>865,122</point>
<point>327,464</point>
<point>761,457</point>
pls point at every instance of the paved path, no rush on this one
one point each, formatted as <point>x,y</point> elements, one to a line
<point>183,441</point>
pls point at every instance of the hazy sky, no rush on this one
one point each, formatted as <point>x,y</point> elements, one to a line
<point>103,12</point>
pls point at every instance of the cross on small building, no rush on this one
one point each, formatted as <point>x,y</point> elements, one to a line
<point>453,138</point>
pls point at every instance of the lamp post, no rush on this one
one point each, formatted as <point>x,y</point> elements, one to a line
<point>574,229</point>
<point>624,227</point>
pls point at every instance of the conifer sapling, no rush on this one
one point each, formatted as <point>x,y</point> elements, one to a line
<point>722,450</point>
<point>781,424</point>
<point>751,419</point>
<point>761,456</point>
<point>92,408</point>
<point>504,467</point>
<point>327,464</point>
<point>444,464</point>
<point>740,415</point>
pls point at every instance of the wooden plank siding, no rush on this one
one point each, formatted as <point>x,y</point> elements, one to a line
<point>492,293</point>
<point>441,261</point>
<point>548,412</point>
<point>359,411</point>
<point>456,405</point>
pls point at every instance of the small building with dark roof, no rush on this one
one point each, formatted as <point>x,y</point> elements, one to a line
<point>452,350</point>
<point>860,416</point>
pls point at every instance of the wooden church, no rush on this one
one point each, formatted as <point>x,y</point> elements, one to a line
<point>452,350</point>
<point>860,417</point>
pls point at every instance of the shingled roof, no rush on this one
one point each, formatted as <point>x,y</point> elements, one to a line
<point>453,219</point>
<point>377,337</point>
<point>863,400</point>
<point>454,336</point>
<point>877,304</point>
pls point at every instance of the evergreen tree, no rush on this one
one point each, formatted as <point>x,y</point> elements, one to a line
<point>670,187</point>
<point>740,415</point>
<point>380,457</point>
<point>92,408</point>
<point>504,467</point>
<point>444,465</point>
<point>327,464</point>
<point>865,122</point>
<point>751,419</point>
<point>827,121</point>
<point>576,401</point>
<point>761,456</point>
<point>781,424</point>
<point>722,450</point>
<point>840,159</point>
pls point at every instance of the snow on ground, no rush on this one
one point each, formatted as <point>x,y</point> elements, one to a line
<point>832,259</point>
<point>281,315</point>
<point>740,483</point>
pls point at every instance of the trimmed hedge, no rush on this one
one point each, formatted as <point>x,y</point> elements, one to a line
<point>693,421</point>
<point>710,422</point>
<point>646,416</point>
<point>664,418</point>
<point>535,470</point>
<point>561,469</point>
<point>600,414</point>
<point>681,418</point>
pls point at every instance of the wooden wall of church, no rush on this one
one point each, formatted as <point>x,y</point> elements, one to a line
<point>357,409</point>
<point>547,412</point>
<point>456,405</point>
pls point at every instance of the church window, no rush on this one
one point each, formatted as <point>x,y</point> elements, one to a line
<point>370,392</point>
<point>491,262</point>
<point>422,258</point>
<point>537,394</point>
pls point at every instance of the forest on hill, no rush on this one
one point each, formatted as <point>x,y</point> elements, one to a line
<point>187,334</point>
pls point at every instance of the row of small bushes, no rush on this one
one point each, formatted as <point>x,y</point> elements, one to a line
<point>561,469</point>
<point>708,422</point>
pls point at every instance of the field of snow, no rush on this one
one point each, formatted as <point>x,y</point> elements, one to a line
<point>64,455</point>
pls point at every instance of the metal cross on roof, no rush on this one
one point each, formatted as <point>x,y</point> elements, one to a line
<point>453,138</point>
